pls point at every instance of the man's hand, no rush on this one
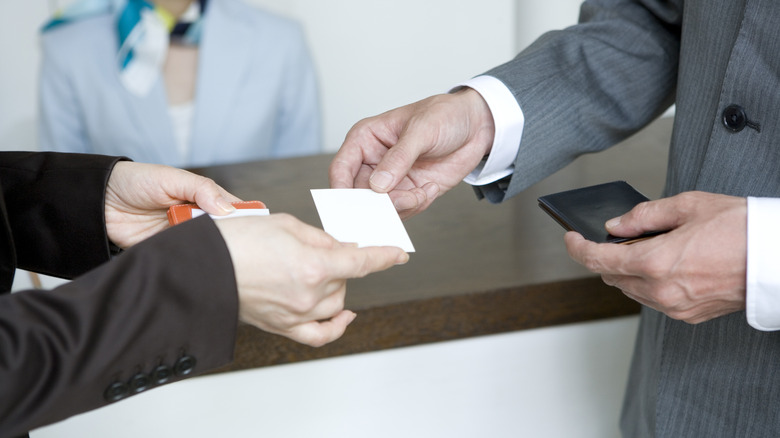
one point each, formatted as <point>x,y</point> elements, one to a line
<point>694,273</point>
<point>138,196</point>
<point>418,151</point>
<point>292,277</point>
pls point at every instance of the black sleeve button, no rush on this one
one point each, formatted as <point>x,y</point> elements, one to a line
<point>162,374</point>
<point>139,382</point>
<point>115,392</point>
<point>734,118</point>
<point>185,365</point>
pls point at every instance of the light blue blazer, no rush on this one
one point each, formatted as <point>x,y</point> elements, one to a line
<point>256,94</point>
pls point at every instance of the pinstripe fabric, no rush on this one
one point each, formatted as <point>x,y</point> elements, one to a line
<point>586,88</point>
<point>718,379</point>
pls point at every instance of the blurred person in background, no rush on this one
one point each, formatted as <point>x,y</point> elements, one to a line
<point>179,82</point>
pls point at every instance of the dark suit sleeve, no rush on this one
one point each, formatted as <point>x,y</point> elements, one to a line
<point>168,303</point>
<point>590,86</point>
<point>164,310</point>
<point>56,210</point>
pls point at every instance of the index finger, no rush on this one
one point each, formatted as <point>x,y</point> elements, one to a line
<point>344,168</point>
<point>204,192</point>
<point>601,258</point>
<point>361,150</point>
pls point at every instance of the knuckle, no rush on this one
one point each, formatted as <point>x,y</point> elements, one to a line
<point>693,319</point>
<point>592,263</point>
<point>688,201</point>
<point>360,264</point>
<point>313,274</point>
<point>301,304</point>
<point>361,269</point>
<point>285,220</point>
<point>610,280</point>
<point>286,321</point>
<point>669,299</point>
<point>361,129</point>
<point>640,211</point>
<point>674,314</point>
<point>206,183</point>
<point>284,217</point>
<point>664,299</point>
<point>686,315</point>
<point>357,129</point>
<point>689,197</point>
<point>655,268</point>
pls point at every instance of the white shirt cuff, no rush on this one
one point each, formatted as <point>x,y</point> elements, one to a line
<point>762,299</point>
<point>508,119</point>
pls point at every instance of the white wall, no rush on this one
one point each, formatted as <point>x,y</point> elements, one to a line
<point>19,23</point>
<point>376,55</point>
<point>372,56</point>
<point>535,18</point>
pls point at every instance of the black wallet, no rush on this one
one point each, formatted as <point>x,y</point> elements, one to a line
<point>585,210</point>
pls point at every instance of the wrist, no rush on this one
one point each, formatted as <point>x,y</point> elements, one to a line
<point>482,129</point>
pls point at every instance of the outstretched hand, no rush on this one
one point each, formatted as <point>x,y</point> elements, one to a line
<point>292,277</point>
<point>418,151</point>
<point>138,196</point>
<point>694,273</point>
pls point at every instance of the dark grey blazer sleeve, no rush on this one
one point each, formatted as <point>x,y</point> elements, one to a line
<point>55,210</point>
<point>587,87</point>
<point>160,311</point>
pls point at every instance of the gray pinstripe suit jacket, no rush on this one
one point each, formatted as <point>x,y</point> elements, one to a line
<point>587,87</point>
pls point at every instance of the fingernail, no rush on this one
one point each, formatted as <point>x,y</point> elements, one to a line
<point>225,205</point>
<point>402,259</point>
<point>612,223</point>
<point>381,180</point>
<point>354,315</point>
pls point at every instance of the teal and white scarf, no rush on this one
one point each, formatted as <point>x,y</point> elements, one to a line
<point>144,30</point>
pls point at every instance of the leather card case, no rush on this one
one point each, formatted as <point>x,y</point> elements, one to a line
<point>183,212</point>
<point>585,210</point>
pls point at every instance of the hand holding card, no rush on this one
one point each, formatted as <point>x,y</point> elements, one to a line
<point>586,210</point>
<point>183,212</point>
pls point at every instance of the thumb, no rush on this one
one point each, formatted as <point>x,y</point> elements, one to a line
<point>207,194</point>
<point>660,215</point>
<point>396,163</point>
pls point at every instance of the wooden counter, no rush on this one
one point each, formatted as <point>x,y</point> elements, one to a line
<point>479,268</point>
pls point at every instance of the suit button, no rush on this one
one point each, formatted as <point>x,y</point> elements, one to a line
<point>162,374</point>
<point>139,382</point>
<point>115,392</point>
<point>184,365</point>
<point>734,118</point>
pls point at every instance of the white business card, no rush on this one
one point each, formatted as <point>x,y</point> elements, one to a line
<point>361,216</point>
<point>236,213</point>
